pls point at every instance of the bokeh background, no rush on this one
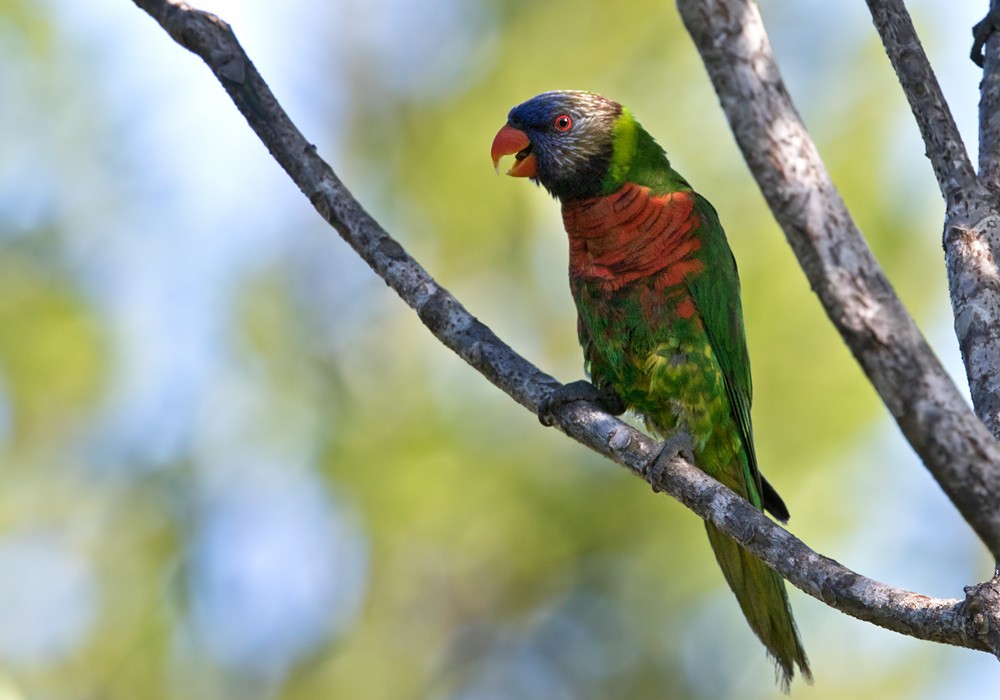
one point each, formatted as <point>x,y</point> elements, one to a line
<point>234,465</point>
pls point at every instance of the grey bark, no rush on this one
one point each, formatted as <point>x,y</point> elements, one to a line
<point>948,621</point>
<point>989,105</point>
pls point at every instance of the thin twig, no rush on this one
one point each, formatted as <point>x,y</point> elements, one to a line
<point>953,443</point>
<point>895,609</point>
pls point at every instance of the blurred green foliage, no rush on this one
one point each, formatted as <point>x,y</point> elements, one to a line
<point>504,560</point>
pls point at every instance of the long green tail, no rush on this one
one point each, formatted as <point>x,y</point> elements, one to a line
<point>764,600</point>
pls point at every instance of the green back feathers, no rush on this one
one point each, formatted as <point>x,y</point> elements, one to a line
<point>717,297</point>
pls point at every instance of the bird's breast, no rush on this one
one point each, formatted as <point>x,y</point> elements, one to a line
<point>630,235</point>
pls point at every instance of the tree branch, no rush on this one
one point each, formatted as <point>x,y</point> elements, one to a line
<point>971,236</point>
<point>954,445</point>
<point>970,212</point>
<point>989,102</point>
<point>942,140</point>
<point>972,248</point>
<point>947,621</point>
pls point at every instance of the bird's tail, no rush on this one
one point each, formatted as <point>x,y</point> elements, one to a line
<point>764,600</point>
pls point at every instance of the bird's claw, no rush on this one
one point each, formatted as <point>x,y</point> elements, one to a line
<point>982,31</point>
<point>578,391</point>
<point>677,445</point>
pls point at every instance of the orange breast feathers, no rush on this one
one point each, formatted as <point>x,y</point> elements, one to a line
<point>630,235</point>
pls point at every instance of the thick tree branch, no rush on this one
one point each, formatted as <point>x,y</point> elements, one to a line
<point>947,621</point>
<point>971,234</point>
<point>955,446</point>
<point>972,247</point>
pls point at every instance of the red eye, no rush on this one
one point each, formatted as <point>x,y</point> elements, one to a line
<point>562,122</point>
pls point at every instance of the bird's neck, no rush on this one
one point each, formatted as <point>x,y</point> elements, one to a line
<point>636,157</point>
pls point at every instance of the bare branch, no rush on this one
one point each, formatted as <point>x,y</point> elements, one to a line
<point>989,101</point>
<point>942,140</point>
<point>971,235</point>
<point>972,249</point>
<point>947,621</point>
<point>982,610</point>
<point>972,246</point>
<point>953,444</point>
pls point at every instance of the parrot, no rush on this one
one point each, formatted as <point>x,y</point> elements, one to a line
<point>659,315</point>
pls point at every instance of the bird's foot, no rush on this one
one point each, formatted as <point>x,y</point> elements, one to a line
<point>578,391</point>
<point>982,31</point>
<point>677,445</point>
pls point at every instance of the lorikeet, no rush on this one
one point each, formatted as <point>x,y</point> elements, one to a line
<point>659,314</point>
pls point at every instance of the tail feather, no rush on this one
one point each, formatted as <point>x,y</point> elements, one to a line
<point>764,600</point>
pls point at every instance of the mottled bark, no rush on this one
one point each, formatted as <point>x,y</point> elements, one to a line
<point>949,621</point>
<point>953,443</point>
<point>945,148</point>
<point>989,102</point>
<point>972,244</point>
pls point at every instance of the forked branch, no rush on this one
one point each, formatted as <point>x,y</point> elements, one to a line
<point>972,221</point>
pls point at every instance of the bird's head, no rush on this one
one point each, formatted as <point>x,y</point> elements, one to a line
<point>562,140</point>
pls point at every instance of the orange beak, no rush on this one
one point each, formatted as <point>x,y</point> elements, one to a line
<point>510,141</point>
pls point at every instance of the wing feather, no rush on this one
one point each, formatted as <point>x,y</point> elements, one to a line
<point>716,295</point>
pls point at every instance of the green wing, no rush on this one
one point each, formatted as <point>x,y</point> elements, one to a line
<point>716,294</point>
